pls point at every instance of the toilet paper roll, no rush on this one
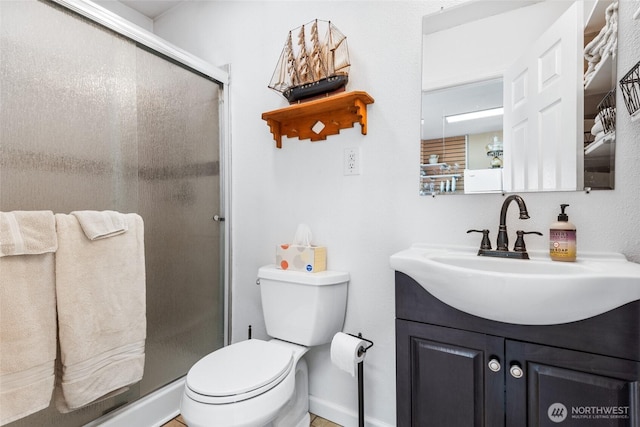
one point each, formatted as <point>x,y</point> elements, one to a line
<point>344,352</point>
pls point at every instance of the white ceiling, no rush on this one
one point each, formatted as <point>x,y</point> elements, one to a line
<point>151,8</point>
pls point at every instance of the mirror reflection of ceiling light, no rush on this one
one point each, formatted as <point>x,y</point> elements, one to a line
<point>475,115</point>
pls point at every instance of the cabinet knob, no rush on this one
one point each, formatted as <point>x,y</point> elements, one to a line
<point>494,365</point>
<point>516,371</point>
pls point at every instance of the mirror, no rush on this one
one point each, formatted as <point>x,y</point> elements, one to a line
<point>548,101</point>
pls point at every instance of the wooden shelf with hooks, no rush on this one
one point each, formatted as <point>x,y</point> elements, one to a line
<point>317,119</point>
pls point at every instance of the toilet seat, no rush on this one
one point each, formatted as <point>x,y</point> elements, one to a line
<point>238,372</point>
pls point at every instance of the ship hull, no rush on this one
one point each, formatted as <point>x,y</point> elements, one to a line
<point>320,87</point>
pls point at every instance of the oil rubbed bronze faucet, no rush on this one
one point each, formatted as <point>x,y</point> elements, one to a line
<point>503,239</point>
<point>502,250</point>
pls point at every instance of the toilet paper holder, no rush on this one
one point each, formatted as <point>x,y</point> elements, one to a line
<point>361,351</point>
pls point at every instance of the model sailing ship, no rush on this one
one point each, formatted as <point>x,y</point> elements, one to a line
<point>312,67</point>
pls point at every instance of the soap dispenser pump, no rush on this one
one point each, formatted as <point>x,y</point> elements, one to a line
<point>562,238</point>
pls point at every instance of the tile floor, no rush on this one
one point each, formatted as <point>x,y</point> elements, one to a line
<point>316,421</point>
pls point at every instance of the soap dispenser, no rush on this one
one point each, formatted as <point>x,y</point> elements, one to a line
<point>562,238</point>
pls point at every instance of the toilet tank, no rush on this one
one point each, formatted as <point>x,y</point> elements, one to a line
<point>303,308</point>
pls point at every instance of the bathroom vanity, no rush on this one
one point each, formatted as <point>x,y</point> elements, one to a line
<point>460,370</point>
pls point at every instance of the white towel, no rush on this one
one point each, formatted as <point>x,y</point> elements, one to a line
<point>101,224</point>
<point>100,286</point>
<point>27,233</point>
<point>605,43</point>
<point>599,136</point>
<point>597,126</point>
<point>27,313</point>
<point>596,47</point>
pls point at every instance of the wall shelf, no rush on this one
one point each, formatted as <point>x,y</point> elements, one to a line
<point>317,119</point>
<point>447,175</point>
<point>630,86</point>
<point>444,169</point>
<point>601,147</point>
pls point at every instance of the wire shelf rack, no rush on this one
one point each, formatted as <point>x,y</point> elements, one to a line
<point>630,87</point>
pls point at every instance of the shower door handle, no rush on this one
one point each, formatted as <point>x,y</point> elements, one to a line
<point>218,218</point>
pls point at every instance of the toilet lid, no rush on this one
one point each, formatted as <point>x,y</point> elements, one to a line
<point>248,367</point>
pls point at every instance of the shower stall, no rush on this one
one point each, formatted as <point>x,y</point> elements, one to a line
<point>96,114</point>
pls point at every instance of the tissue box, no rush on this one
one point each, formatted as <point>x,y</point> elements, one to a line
<point>301,258</point>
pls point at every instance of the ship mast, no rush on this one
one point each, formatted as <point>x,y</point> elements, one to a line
<point>306,73</point>
<point>292,66</point>
<point>319,66</point>
<point>331,54</point>
<point>337,44</point>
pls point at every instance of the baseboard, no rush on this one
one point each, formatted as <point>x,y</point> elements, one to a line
<point>153,410</point>
<point>340,414</point>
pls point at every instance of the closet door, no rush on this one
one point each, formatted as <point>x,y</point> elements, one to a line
<point>543,99</point>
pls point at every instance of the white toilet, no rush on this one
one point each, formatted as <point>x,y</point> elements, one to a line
<point>257,383</point>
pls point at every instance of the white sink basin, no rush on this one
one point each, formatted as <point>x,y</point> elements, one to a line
<point>537,291</point>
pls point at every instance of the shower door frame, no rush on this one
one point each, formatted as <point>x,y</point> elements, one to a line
<point>165,49</point>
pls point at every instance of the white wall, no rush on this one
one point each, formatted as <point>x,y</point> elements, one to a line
<point>364,219</point>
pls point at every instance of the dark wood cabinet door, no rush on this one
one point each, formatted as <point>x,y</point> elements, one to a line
<point>566,388</point>
<point>443,377</point>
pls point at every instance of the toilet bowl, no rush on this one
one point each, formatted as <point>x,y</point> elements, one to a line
<point>256,383</point>
<point>247,384</point>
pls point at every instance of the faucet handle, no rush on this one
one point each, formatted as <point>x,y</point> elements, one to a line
<point>520,246</point>
<point>486,243</point>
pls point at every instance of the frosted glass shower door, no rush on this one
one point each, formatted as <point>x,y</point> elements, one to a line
<point>179,181</point>
<point>91,120</point>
